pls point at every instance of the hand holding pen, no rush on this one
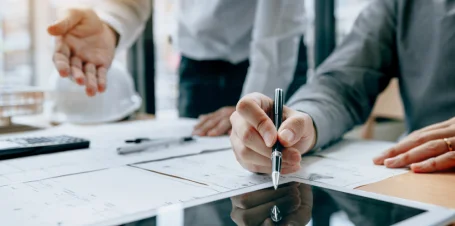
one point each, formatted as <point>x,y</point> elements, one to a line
<point>254,134</point>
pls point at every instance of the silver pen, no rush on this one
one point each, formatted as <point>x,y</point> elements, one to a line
<point>277,148</point>
<point>143,144</point>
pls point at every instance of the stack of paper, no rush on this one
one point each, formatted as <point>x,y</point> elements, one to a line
<point>93,197</point>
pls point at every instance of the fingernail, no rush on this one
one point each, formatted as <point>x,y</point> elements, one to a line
<point>287,135</point>
<point>64,73</point>
<point>268,139</point>
<point>80,81</point>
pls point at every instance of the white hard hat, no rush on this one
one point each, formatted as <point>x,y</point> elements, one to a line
<point>71,104</point>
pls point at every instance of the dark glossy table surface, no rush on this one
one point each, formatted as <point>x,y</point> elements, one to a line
<point>295,204</point>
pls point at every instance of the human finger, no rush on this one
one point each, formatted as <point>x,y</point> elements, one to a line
<point>440,125</point>
<point>248,135</point>
<point>91,81</point>
<point>430,149</point>
<point>297,127</point>
<point>71,19</point>
<point>208,124</point>
<point>61,58</point>
<point>291,156</point>
<point>246,156</point>
<point>102,73</point>
<point>413,141</point>
<point>258,163</point>
<point>221,128</point>
<point>76,69</point>
<point>302,215</point>
<point>254,108</point>
<point>440,163</point>
<point>202,120</point>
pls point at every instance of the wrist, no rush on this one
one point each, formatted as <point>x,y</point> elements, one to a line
<point>315,132</point>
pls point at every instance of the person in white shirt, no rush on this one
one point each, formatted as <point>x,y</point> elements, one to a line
<point>229,48</point>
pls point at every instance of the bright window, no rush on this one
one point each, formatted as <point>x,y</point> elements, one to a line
<point>16,62</point>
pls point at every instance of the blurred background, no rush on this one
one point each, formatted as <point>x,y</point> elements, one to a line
<point>26,49</point>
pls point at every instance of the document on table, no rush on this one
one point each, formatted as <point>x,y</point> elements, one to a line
<point>359,151</point>
<point>102,154</point>
<point>93,197</point>
<point>341,173</point>
<point>220,171</point>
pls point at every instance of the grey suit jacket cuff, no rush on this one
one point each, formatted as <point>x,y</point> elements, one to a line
<point>321,124</point>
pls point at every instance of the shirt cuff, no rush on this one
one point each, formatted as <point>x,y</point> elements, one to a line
<point>126,36</point>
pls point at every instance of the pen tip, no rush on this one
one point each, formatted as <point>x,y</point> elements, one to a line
<point>275,178</point>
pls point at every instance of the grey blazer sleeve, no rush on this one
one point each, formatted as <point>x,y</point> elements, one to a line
<point>344,88</point>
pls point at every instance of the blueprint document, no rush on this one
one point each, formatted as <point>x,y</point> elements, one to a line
<point>221,170</point>
<point>342,173</point>
<point>102,154</point>
<point>93,197</point>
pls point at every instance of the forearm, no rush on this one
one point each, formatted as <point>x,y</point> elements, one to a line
<point>278,28</point>
<point>345,87</point>
<point>334,106</point>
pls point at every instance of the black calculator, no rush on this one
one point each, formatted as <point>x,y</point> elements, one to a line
<point>27,146</point>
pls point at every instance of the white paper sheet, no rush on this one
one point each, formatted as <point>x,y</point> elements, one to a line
<point>105,139</point>
<point>359,151</point>
<point>341,173</point>
<point>93,197</point>
<point>219,170</point>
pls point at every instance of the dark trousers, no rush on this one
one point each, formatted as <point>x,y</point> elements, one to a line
<point>205,86</point>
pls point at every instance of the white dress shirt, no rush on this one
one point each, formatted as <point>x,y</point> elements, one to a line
<point>267,32</point>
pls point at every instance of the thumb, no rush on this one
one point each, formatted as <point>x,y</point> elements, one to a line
<point>297,127</point>
<point>72,18</point>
